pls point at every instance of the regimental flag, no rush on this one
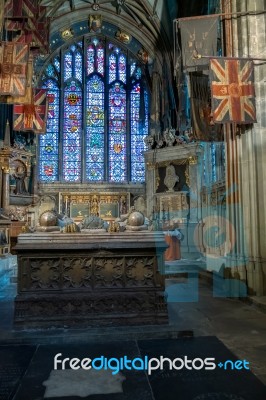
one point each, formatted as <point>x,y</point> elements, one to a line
<point>233,93</point>
<point>198,37</point>
<point>21,8</point>
<point>13,68</point>
<point>2,3</point>
<point>27,98</point>
<point>29,19</point>
<point>31,117</point>
<point>200,101</point>
<point>40,32</point>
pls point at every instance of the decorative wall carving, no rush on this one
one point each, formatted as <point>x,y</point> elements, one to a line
<point>140,271</point>
<point>77,272</point>
<point>44,274</point>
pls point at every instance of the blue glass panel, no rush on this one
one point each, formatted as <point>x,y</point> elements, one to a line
<point>112,68</point>
<point>138,132</point>
<point>122,68</point>
<point>78,67</point>
<point>95,130</point>
<point>68,62</point>
<point>100,59</point>
<point>49,143</point>
<point>90,59</point>
<point>138,73</point>
<point>132,68</point>
<point>72,129</point>
<point>117,134</point>
<point>50,71</point>
<point>57,64</point>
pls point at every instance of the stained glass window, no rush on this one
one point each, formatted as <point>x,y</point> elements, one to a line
<point>95,129</point>
<point>117,133</point>
<point>72,132</point>
<point>97,114</point>
<point>49,143</point>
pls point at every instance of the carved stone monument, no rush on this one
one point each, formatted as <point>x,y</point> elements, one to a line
<point>90,279</point>
<point>170,178</point>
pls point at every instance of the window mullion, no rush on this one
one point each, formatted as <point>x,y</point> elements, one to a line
<point>61,118</point>
<point>106,113</point>
<point>128,120</point>
<point>84,114</point>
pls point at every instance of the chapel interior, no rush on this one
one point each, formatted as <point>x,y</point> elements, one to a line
<point>132,138</point>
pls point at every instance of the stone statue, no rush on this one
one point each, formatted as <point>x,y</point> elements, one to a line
<point>170,178</point>
<point>149,141</point>
<point>19,176</point>
<point>123,205</point>
<point>169,136</point>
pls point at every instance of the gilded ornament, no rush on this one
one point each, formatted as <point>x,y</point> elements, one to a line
<point>144,55</point>
<point>123,37</point>
<point>95,22</point>
<point>67,34</point>
<point>192,160</point>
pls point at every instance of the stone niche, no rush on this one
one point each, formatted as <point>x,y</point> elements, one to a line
<point>173,187</point>
<point>99,279</point>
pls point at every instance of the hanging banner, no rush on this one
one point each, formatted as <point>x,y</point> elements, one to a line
<point>200,100</point>
<point>21,8</point>
<point>13,68</point>
<point>198,37</point>
<point>2,3</point>
<point>31,117</point>
<point>232,89</point>
<point>28,19</point>
<point>27,98</point>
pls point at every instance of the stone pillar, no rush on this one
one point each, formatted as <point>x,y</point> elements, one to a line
<point>1,186</point>
<point>193,186</point>
<point>249,218</point>
<point>150,188</point>
<point>34,182</point>
<point>5,194</point>
<point>194,234</point>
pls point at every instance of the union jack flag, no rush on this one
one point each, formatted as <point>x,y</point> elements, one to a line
<point>13,62</point>
<point>21,8</point>
<point>27,98</point>
<point>233,93</point>
<point>30,21</point>
<point>31,116</point>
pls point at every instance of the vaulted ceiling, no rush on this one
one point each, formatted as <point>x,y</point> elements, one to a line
<point>152,18</point>
<point>141,19</point>
<point>140,13</point>
<point>149,22</point>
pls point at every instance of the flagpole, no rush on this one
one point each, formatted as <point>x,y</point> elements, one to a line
<point>229,14</point>
<point>199,56</point>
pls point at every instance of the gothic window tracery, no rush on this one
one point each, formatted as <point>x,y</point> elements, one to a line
<point>97,115</point>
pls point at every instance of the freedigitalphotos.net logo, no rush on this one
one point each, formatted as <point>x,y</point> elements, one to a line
<point>146,364</point>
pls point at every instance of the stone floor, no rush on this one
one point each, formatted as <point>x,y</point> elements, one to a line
<point>201,323</point>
